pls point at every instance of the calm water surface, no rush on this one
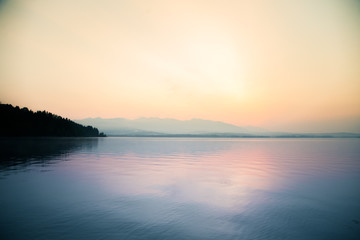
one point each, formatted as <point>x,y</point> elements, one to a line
<point>179,188</point>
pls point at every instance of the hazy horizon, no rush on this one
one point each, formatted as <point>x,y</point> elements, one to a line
<point>284,66</point>
<point>322,127</point>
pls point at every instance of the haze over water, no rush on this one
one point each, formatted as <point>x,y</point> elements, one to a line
<point>266,66</point>
<point>179,188</point>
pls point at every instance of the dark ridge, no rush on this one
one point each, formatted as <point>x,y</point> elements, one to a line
<point>20,122</point>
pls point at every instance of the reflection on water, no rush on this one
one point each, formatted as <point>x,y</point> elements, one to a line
<point>21,152</point>
<point>169,188</point>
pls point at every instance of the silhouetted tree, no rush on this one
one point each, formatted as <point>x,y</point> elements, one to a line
<point>15,121</point>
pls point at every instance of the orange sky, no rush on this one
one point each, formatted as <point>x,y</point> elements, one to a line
<point>285,65</point>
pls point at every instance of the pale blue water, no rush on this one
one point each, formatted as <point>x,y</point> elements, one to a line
<point>179,188</point>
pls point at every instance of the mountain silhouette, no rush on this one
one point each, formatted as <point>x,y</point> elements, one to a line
<point>153,126</point>
<point>167,127</point>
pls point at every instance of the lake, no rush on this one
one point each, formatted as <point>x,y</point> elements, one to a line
<point>179,188</point>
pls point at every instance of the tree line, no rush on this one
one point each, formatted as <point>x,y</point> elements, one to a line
<point>16,121</point>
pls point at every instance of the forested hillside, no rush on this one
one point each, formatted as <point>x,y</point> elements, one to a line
<point>15,121</point>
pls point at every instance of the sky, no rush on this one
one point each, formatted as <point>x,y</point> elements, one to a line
<point>285,65</point>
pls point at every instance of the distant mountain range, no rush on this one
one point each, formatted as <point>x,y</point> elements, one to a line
<point>165,127</point>
<point>120,126</point>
